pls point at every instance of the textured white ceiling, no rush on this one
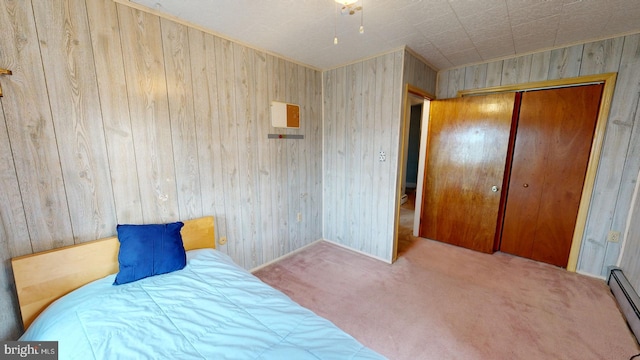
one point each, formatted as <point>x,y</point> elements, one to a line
<point>447,33</point>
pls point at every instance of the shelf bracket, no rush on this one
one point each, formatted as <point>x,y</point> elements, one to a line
<point>4,72</point>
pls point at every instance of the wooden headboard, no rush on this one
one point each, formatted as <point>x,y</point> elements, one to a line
<point>43,277</point>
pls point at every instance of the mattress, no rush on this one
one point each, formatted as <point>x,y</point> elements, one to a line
<point>211,309</point>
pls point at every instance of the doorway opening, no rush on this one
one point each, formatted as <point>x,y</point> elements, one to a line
<point>413,135</point>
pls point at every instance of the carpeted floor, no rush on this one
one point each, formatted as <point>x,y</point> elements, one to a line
<point>444,302</point>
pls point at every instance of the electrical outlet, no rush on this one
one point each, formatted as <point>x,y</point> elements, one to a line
<point>222,240</point>
<point>613,236</point>
<point>383,156</point>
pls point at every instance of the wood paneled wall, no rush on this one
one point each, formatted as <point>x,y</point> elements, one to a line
<point>631,253</point>
<point>419,74</point>
<point>620,158</point>
<point>113,115</point>
<point>362,118</point>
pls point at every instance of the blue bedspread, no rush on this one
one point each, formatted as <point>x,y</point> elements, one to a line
<point>212,309</point>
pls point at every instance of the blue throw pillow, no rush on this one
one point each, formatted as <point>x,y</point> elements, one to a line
<point>147,250</point>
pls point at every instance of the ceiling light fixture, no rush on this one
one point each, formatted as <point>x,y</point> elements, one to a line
<point>348,7</point>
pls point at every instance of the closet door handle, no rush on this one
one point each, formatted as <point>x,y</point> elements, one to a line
<point>525,185</point>
<point>494,188</point>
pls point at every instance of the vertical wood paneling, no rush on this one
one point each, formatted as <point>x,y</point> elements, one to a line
<point>456,82</point>
<point>208,137</point>
<point>279,200</point>
<point>475,76</point>
<point>329,138</point>
<point>629,261</point>
<point>397,104</point>
<point>73,96</point>
<point>316,154</point>
<point>494,73</point>
<point>369,157</point>
<point>620,156</point>
<point>339,188</point>
<point>540,66</point>
<point>173,120</point>
<point>107,49</point>
<point>516,70</point>
<point>621,152</point>
<point>363,117</point>
<point>177,63</point>
<point>265,169</point>
<point>225,68</point>
<point>380,168</point>
<point>147,93</point>
<point>601,56</point>
<point>30,128</point>
<point>247,180</point>
<point>14,234</point>
<point>293,161</point>
<point>419,74</point>
<point>443,84</point>
<point>565,62</point>
<point>353,172</point>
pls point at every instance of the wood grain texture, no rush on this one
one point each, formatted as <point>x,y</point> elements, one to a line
<point>552,148</point>
<point>225,68</point>
<point>368,156</point>
<point>456,82</point>
<point>43,277</point>
<point>627,115</point>
<point>30,127</point>
<point>475,76</point>
<point>379,80</point>
<point>279,196</point>
<point>184,117</point>
<point>177,63</point>
<point>494,73</point>
<point>629,258</point>
<point>293,162</point>
<point>601,56</point>
<point>442,89</point>
<point>466,155</point>
<point>419,74</point>
<point>114,105</point>
<point>265,170</point>
<point>244,101</point>
<point>151,127</point>
<point>609,205</point>
<point>75,107</point>
<point>516,70</point>
<point>208,137</point>
<point>13,225</point>
<point>565,62</point>
<point>540,66</point>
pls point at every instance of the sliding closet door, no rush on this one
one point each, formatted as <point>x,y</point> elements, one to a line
<point>466,155</point>
<point>552,147</point>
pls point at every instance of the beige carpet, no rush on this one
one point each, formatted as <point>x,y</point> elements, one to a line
<point>443,302</point>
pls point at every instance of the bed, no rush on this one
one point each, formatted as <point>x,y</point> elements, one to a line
<point>210,308</point>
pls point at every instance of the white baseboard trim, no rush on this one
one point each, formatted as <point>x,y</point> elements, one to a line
<point>599,277</point>
<point>358,251</point>
<point>283,256</point>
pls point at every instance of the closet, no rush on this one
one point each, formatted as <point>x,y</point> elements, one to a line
<point>506,171</point>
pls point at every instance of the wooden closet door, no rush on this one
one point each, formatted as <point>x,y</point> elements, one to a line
<point>552,147</point>
<point>466,156</point>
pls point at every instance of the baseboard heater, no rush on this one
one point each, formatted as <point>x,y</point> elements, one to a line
<point>627,298</point>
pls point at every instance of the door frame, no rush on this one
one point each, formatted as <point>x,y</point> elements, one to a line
<point>609,81</point>
<point>409,91</point>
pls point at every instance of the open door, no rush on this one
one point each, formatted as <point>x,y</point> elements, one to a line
<point>466,156</point>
